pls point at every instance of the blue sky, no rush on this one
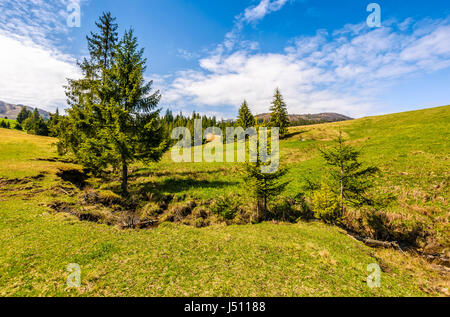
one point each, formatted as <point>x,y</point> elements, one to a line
<point>210,55</point>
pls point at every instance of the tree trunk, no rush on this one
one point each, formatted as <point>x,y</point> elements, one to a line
<point>257,209</point>
<point>265,199</point>
<point>342,190</point>
<point>265,206</point>
<point>124,178</point>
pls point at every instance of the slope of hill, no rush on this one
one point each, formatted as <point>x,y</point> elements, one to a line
<point>11,111</point>
<point>304,259</point>
<point>321,117</point>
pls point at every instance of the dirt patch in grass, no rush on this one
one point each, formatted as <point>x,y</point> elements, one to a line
<point>22,181</point>
<point>61,207</point>
<point>105,198</point>
<point>85,213</point>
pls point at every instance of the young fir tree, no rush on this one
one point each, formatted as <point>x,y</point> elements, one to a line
<point>279,114</point>
<point>349,180</point>
<point>245,118</point>
<point>264,187</point>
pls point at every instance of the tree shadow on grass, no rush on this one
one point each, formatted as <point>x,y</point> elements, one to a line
<point>176,185</point>
<point>294,134</point>
<point>144,172</point>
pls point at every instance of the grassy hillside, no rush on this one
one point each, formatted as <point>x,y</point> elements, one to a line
<point>11,122</point>
<point>269,259</point>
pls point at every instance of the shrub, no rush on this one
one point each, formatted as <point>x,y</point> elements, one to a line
<point>151,210</point>
<point>327,205</point>
<point>226,207</point>
<point>200,217</point>
<point>284,209</point>
<point>95,214</point>
<point>162,200</point>
<point>179,211</point>
<point>105,197</point>
<point>290,209</point>
<point>246,214</point>
<point>391,226</point>
<point>108,198</point>
<point>200,212</point>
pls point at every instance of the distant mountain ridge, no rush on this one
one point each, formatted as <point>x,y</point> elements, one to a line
<point>11,111</point>
<point>320,117</point>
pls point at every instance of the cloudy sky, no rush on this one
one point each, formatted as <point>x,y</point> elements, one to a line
<point>209,56</point>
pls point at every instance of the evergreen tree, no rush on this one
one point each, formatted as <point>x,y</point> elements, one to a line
<point>349,180</point>
<point>53,124</point>
<point>79,132</point>
<point>264,187</point>
<point>102,45</point>
<point>133,128</point>
<point>245,118</point>
<point>2,124</point>
<point>168,118</point>
<point>23,115</point>
<point>112,119</point>
<point>279,114</point>
<point>35,124</point>
<point>327,205</point>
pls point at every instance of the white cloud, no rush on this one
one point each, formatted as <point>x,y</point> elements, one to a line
<point>32,67</point>
<point>342,72</point>
<point>265,7</point>
<point>187,55</point>
<point>251,15</point>
<point>32,74</point>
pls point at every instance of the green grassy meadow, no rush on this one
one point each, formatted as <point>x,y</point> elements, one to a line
<point>270,259</point>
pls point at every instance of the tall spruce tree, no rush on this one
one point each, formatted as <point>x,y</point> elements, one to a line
<point>111,120</point>
<point>279,114</point>
<point>133,129</point>
<point>102,45</point>
<point>245,118</point>
<point>79,132</point>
